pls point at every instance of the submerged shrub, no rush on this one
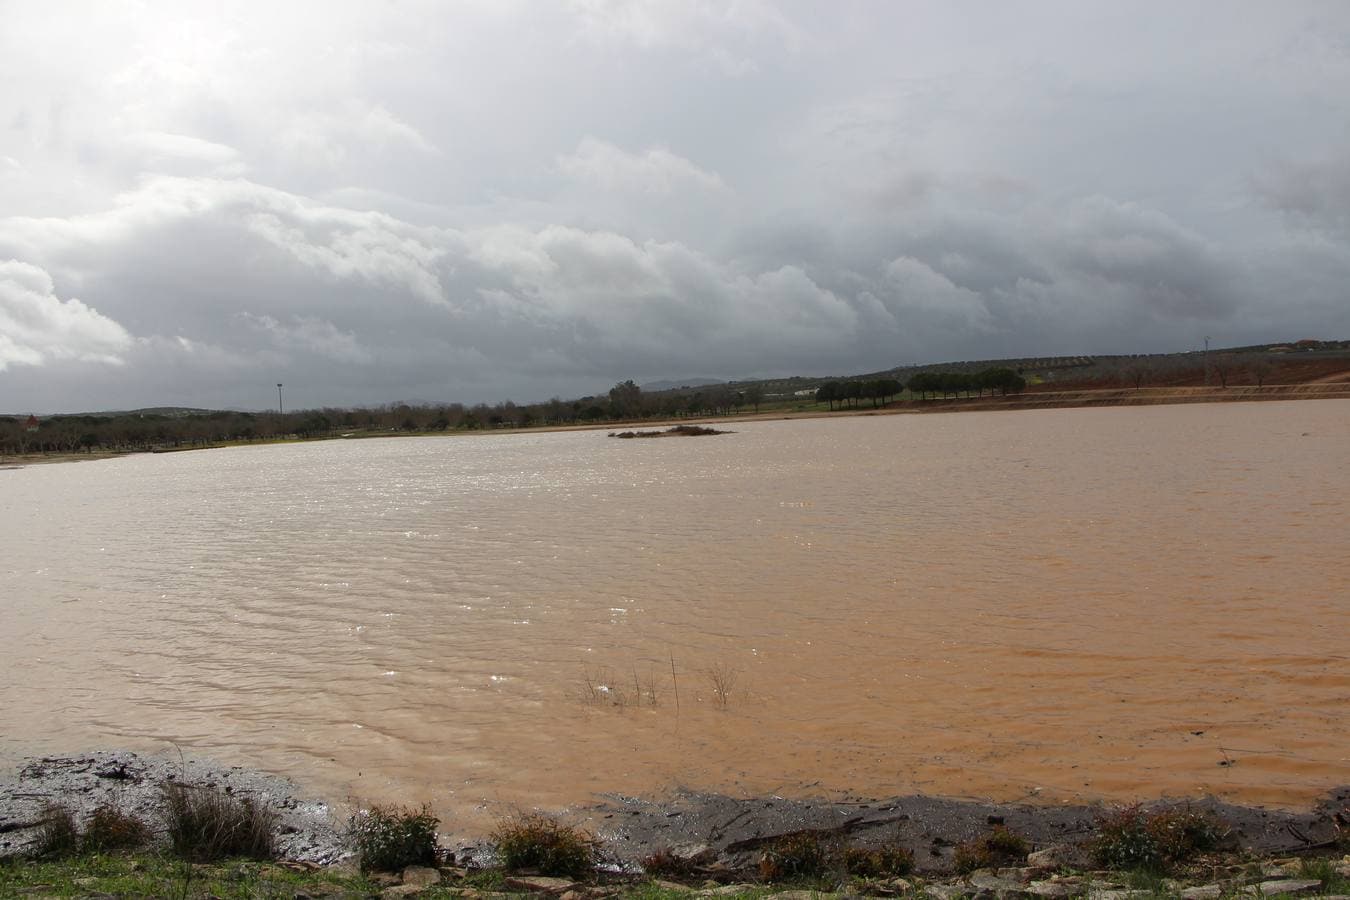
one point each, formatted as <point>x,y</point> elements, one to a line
<point>1130,838</point>
<point>1000,847</point>
<point>205,824</point>
<point>390,838</point>
<point>109,828</point>
<point>57,833</point>
<point>800,855</point>
<point>538,842</point>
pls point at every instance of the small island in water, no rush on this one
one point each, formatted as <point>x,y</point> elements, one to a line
<point>676,431</point>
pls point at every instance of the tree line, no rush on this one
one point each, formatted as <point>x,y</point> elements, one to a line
<point>626,401</point>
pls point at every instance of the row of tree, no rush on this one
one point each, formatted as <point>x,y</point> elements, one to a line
<point>879,391</point>
<point>996,380</point>
<point>626,401</point>
<point>193,428</point>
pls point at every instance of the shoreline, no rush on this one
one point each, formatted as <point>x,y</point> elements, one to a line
<point>730,830</point>
<point>1091,398</point>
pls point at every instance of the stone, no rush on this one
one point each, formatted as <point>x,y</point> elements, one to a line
<point>421,876</point>
<point>1288,886</point>
<point>1056,856</point>
<point>727,890</point>
<point>1202,892</point>
<point>697,854</point>
<point>540,884</point>
<point>401,890</point>
<point>673,886</point>
<point>1003,887</point>
<point>800,895</point>
<point>1020,874</point>
<point>1054,889</point>
<point>946,891</point>
<point>384,879</point>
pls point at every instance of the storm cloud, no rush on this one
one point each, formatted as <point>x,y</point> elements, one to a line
<point>480,201</point>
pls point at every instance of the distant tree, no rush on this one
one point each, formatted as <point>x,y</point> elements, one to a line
<point>829,392</point>
<point>1138,371</point>
<point>1223,365</point>
<point>1260,369</point>
<point>753,395</point>
<point>625,400</point>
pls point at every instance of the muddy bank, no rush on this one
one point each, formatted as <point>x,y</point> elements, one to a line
<point>734,831</point>
<point>307,833</point>
<point>722,831</point>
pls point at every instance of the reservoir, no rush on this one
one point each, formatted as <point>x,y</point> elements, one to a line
<point>1058,605</point>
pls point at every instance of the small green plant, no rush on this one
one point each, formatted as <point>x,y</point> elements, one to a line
<point>878,862</point>
<point>544,844</point>
<point>390,838</point>
<point>57,834</point>
<point>803,854</point>
<point>205,823</point>
<point>1000,847</point>
<point>109,828</point>
<point>1132,839</point>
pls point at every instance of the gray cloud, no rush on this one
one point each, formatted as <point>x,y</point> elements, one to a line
<point>494,200</point>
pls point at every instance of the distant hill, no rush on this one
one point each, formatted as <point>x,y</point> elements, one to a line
<point>675,384</point>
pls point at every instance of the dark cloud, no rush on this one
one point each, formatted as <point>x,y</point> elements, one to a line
<point>494,200</point>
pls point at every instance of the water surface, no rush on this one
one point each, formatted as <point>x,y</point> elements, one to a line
<point>1065,604</point>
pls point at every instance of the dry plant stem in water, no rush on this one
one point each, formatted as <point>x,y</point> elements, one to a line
<point>722,677</point>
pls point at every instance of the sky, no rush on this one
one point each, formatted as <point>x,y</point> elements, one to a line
<point>406,201</point>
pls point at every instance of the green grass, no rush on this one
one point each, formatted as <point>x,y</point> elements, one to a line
<point>156,875</point>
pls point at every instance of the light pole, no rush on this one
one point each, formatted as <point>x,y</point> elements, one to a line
<point>280,409</point>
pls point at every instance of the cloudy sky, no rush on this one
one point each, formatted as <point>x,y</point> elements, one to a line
<point>492,199</point>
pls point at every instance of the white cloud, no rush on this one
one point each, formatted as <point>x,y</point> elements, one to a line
<point>719,33</point>
<point>37,327</point>
<point>654,171</point>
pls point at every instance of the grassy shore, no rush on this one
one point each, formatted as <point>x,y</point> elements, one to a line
<point>158,875</point>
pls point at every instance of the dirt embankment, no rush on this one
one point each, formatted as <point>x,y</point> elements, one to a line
<point>1144,396</point>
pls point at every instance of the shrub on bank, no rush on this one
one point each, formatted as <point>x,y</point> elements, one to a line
<point>538,842</point>
<point>57,835</point>
<point>390,838</point>
<point>1131,838</point>
<point>110,828</point>
<point>801,855</point>
<point>1000,847</point>
<point>885,861</point>
<point>205,823</point>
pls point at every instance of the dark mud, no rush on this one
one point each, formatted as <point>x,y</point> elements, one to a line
<point>716,829</point>
<point>733,831</point>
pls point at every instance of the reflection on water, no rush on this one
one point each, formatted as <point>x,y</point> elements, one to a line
<point>1068,604</point>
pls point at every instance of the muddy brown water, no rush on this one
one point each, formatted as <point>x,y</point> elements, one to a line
<point>1064,605</point>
